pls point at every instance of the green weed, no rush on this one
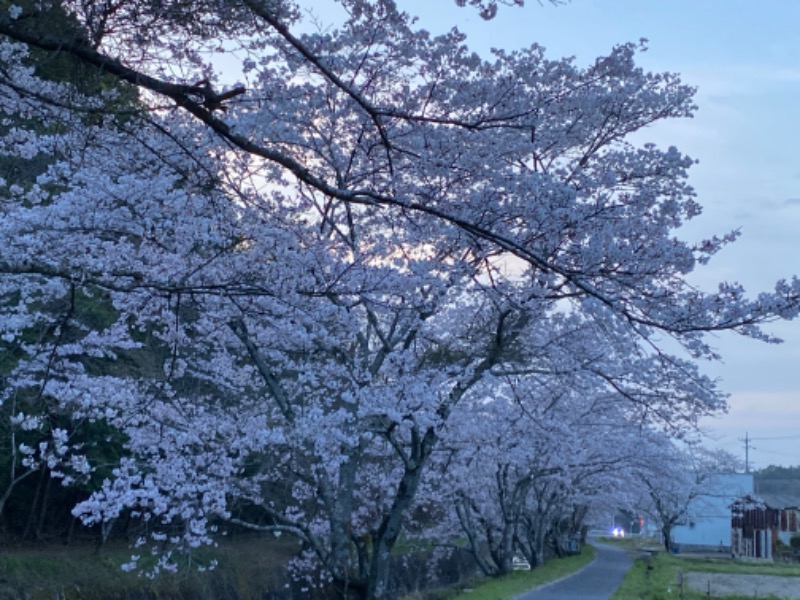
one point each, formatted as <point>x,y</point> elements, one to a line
<point>659,577</point>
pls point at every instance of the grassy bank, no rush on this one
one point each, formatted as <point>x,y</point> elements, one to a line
<point>248,567</point>
<point>517,582</point>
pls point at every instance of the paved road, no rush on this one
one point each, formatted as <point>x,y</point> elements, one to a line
<point>596,581</point>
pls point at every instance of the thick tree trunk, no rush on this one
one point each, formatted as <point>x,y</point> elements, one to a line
<point>506,562</point>
<point>535,534</point>
<point>463,509</point>
<point>565,534</point>
<point>349,575</point>
<point>340,512</point>
<point>502,549</point>
<point>384,538</point>
<point>538,550</point>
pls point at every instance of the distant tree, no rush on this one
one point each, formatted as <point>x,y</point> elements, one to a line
<point>777,472</point>
<point>675,480</point>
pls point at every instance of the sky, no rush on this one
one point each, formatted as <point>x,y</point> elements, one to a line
<point>744,58</point>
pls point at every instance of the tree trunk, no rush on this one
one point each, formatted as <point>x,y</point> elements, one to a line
<point>506,562</point>
<point>45,504</point>
<point>584,534</point>
<point>535,535</point>
<point>350,590</point>
<point>502,549</point>
<point>32,514</point>
<point>70,531</point>
<point>537,550</point>
<point>384,538</point>
<point>666,531</point>
<point>463,512</point>
<point>340,511</point>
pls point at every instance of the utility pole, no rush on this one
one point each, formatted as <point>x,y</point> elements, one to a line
<point>747,447</point>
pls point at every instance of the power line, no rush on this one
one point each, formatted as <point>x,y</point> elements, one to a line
<point>776,438</point>
<point>748,445</point>
<point>784,454</point>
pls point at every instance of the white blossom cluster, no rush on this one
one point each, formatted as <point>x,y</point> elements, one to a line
<point>390,286</point>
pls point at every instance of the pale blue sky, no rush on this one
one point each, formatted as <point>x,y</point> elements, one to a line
<point>744,56</point>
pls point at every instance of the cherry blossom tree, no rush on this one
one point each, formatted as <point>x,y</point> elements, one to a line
<point>674,477</point>
<point>330,260</point>
<point>527,465</point>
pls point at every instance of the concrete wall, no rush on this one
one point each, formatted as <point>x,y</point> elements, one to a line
<point>709,523</point>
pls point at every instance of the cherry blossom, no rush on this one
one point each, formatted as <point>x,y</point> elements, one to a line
<point>291,295</point>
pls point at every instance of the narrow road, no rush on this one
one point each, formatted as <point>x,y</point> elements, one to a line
<point>596,581</point>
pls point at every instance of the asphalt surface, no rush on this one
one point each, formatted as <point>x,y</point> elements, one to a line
<point>596,581</point>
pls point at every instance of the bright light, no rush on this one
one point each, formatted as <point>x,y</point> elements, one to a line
<point>618,532</point>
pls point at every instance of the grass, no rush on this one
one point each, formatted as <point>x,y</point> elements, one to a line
<point>633,543</point>
<point>657,577</point>
<point>518,582</point>
<point>247,568</point>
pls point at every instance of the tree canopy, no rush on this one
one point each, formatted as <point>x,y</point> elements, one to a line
<point>346,269</point>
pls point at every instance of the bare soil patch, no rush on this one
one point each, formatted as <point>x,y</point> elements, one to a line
<point>757,586</point>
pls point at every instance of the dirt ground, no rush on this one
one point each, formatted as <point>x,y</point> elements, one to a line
<point>757,586</point>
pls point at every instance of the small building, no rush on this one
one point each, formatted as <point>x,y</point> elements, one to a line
<point>708,522</point>
<point>752,527</point>
<point>759,522</point>
<point>782,493</point>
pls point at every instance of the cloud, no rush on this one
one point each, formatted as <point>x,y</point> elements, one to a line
<point>767,418</point>
<point>725,80</point>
